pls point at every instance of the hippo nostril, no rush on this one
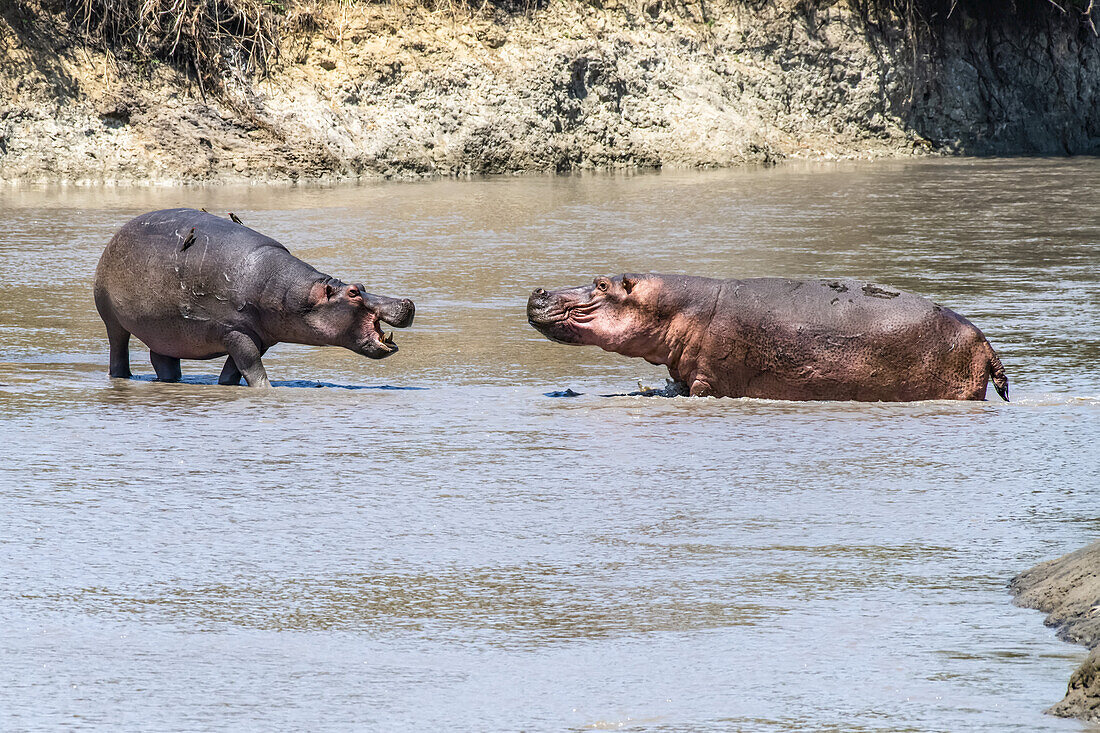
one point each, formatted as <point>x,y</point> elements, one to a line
<point>540,291</point>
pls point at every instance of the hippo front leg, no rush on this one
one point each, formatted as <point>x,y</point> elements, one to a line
<point>700,388</point>
<point>230,375</point>
<point>244,354</point>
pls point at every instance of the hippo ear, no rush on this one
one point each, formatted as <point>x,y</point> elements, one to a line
<point>628,283</point>
<point>329,291</point>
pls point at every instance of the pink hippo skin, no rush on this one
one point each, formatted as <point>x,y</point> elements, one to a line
<point>778,339</point>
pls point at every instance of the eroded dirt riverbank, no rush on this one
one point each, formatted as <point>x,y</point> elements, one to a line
<point>369,90</point>
<point>1068,590</point>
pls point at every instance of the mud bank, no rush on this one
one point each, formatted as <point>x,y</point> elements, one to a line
<point>367,90</point>
<point>1068,590</point>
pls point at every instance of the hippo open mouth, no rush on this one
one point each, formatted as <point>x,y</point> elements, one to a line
<point>378,344</point>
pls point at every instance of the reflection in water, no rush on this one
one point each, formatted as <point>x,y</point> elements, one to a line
<point>437,541</point>
<point>212,379</point>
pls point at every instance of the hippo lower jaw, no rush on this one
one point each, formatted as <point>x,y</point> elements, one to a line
<point>376,349</point>
<point>553,331</point>
<point>377,345</point>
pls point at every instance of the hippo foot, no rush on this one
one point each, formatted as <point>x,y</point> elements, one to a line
<point>672,388</point>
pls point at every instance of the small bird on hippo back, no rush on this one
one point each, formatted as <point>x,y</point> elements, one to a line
<point>775,338</point>
<point>192,285</point>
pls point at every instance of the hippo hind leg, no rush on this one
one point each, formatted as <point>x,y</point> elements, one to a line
<point>997,373</point>
<point>117,337</point>
<point>166,367</point>
<point>985,366</point>
<point>119,340</point>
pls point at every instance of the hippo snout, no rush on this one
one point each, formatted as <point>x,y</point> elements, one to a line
<point>397,312</point>
<point>538,304</point>
<point>401,315</point>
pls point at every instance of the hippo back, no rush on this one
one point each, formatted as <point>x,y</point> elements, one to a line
<point>839,306</point>
<point>837,339</point>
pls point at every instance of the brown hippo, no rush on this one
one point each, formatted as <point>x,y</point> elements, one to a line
<point>195,286</point>
<point>778,339</point>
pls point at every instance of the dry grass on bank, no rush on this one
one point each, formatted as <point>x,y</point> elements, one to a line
<point>209,36</point>
<point>216,39</point>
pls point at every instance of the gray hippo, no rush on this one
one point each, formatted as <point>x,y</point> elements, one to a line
<point>195,286</point>
<point>778,339</point>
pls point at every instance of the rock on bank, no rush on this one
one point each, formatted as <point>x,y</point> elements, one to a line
<point>400,90</point>
<point>1068,590</point>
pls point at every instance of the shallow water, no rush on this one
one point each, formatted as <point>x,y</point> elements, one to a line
<point>465,552</point>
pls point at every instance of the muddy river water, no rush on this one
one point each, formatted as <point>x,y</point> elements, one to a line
<point>434,542</point>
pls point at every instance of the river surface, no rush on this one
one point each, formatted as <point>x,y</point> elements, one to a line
<point>435,542</point>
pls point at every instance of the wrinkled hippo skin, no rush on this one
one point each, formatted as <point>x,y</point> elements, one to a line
<point>192,285</point>
<point>780,339</point>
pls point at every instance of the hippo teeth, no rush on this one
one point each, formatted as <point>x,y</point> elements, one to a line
<point>388,338</point>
